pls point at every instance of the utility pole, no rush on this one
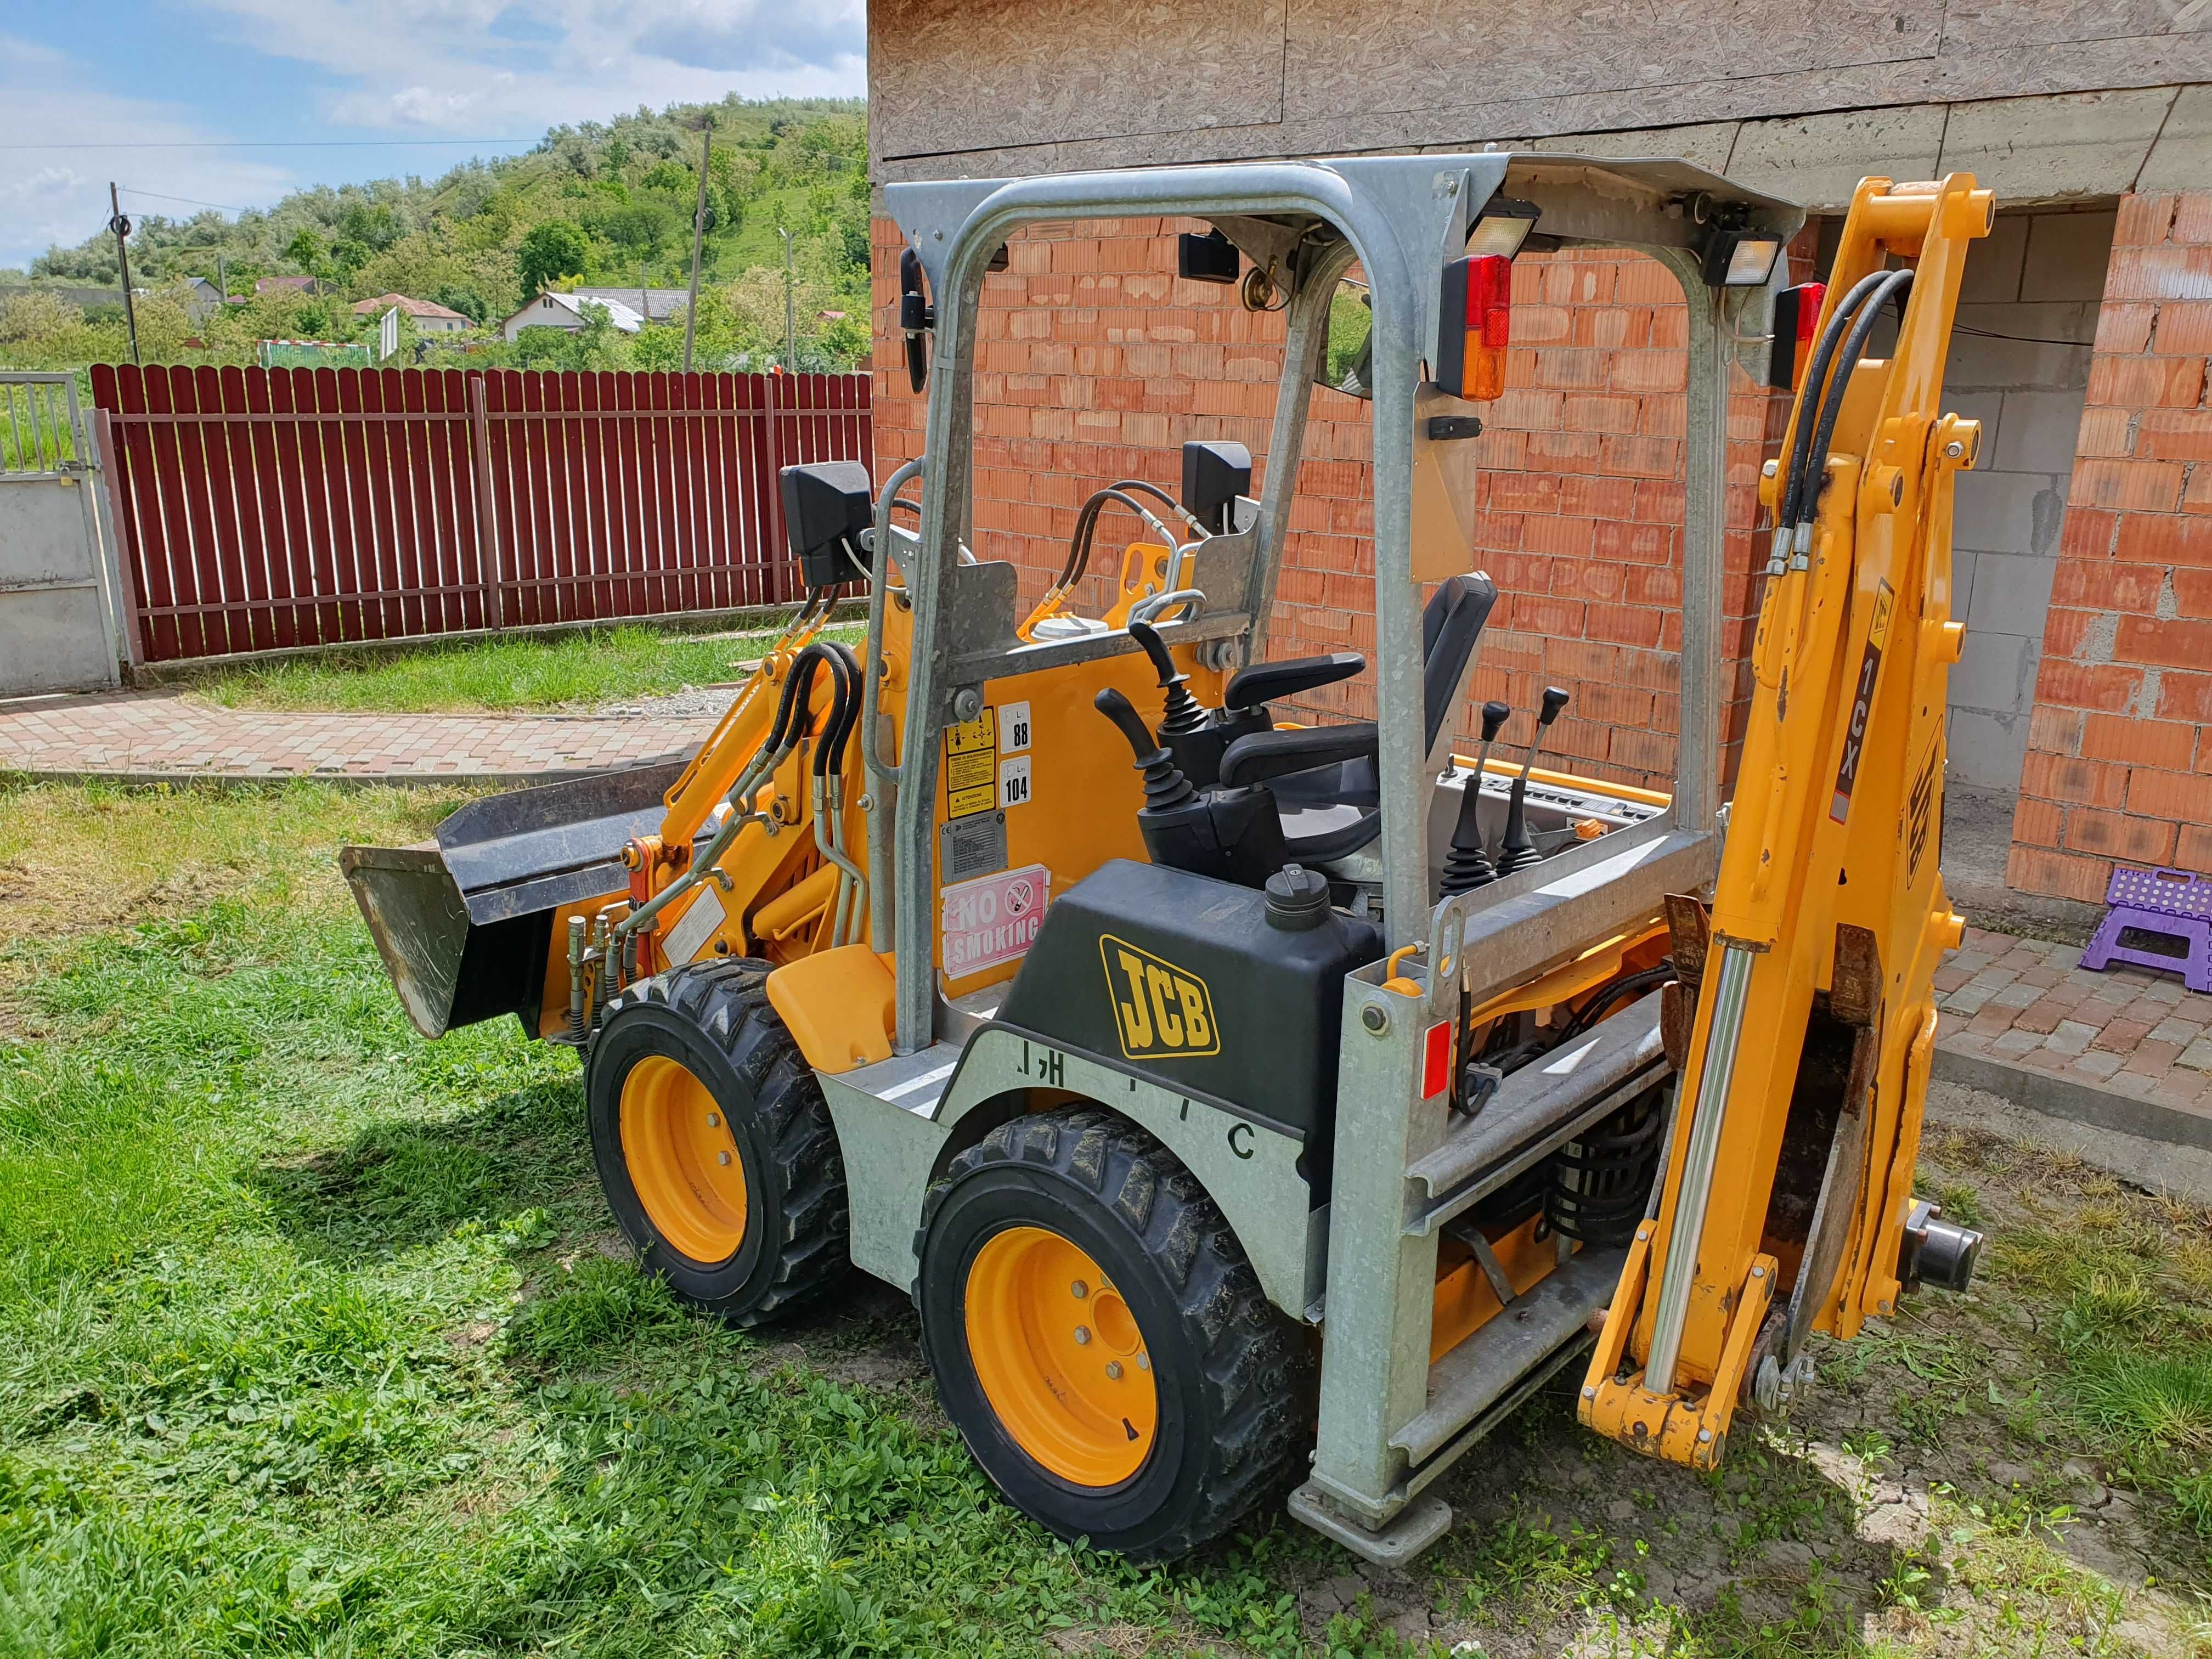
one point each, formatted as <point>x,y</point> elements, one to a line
<point>790,313</point>
<point>222,280</point>
<point>698,238</point>
<point>121,227</point>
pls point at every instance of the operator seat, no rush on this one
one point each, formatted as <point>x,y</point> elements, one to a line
<point>1331,812</point>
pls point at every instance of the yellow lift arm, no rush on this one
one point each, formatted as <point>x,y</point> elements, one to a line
<point>1787,1204</point>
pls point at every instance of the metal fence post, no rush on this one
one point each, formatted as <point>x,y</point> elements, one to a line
<point>92,474</point>
<point>487,559</point>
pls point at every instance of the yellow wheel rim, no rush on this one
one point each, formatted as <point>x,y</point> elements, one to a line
<point>1059,1358</point>
<point>683,1160</point>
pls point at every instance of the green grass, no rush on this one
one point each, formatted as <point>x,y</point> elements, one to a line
<point>569,671</point>
<point>317,1338</point>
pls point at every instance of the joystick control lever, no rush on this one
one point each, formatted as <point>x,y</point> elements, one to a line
<point>1165,786</point>
<point>1517,850</point>
<point>1184,713</point>
<point>1466,866</point>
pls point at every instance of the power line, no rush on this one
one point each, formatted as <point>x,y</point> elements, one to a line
<point>189,201</point>
<point>281,144</point>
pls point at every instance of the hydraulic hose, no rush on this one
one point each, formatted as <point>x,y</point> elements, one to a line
<point>1816,380</point>
<point>1898,285</point>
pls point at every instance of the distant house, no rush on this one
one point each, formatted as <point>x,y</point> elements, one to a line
<point>202,299</point>
<point>278,284</point>
<point>430,318</point>
<point>655,305</point>
<point>567,311</point>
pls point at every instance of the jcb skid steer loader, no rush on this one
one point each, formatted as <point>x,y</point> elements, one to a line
<point>1234,1096</point>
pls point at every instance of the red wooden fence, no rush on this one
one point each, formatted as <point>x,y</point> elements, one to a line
<point>260,508</point>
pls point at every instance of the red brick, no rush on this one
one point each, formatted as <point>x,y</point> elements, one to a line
<point>2158,273</point>
<point>2177,643</point>
<point>2061,875</point>
<point>2192,592</point>
<point>2134,486</point>
<point>2125,328</point>
<point>2192,848</point>
<point>2144,219</point>
<point>2192,221</point>
<point>2107,585</point>
<point>2114,835</point>
<point>2185,697</point>
<point>2170,795</point>
<point>2056,730</point>
<point>1626,625</point>
<point>2083,782</point>
<point>2175,435</point>
<point>2159,539</point>
<point>2088,533</point>
<point>2105,432</point>
<point>2107,686</point>
<point>2133,742</point>
<point>2143,382</point>
<point>2037,822</point>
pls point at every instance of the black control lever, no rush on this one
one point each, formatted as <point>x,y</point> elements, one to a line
<point>1518,850</point>
<point>1466,866</point>
<point>1184,713</point>
<point>1165,786</point>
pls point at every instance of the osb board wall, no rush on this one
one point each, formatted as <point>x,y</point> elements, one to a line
<point>982,86</point>
<point>1095,362</point>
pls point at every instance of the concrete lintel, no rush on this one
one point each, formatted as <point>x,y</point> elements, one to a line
<point>1818,160</point>
<point>2055,148</point>
<point>2181,159</point>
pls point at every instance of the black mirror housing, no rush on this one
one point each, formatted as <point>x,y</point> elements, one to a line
<point>1214,474</point>
<point>826,506</point>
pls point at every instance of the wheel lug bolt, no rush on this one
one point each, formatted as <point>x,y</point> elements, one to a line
<point>1144,1362</point>
<point>723,1156</point>
<point>1114,1369</point>
<point>714,1119</point>
<point>1079,1289</point>
<point>1082,1333</point>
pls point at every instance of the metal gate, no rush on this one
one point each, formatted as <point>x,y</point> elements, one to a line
<point>58,627</point>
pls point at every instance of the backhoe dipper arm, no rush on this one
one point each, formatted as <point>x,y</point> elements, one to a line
<point>1784,1207</point>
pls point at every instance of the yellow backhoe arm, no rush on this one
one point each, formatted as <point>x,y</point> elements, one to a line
<point>1787,1206</point>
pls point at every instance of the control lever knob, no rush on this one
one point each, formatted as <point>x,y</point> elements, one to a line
<point>1467,867</point>
<point>1165,786</point>
<point>1517,850</point>
<point>1183,713</point>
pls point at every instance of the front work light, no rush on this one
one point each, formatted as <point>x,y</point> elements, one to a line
<point>1738,261</point>
<point>1505,224</point>
<point>1474,325</point>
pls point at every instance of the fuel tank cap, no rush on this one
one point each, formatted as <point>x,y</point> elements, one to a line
<point>1297,898</point>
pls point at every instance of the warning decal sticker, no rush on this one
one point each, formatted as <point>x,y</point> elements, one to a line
<point>971,772</point>
<point>993,919</point>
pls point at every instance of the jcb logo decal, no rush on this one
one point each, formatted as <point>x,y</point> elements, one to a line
<point>1160,1009</point>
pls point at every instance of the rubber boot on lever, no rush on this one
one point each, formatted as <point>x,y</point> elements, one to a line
<point>1183,714</point>
<point>1466,866</point>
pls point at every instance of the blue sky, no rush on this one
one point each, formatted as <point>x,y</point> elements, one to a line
<point>334,91</point>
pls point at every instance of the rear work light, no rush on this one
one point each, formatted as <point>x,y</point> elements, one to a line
<point>1797,314</point>
<point>1474,326</point>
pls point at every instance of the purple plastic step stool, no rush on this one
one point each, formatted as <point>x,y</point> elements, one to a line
<point>2172,903</point>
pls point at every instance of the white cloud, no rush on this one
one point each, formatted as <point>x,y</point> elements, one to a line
<point>61,195</point>
<point>482,66</point>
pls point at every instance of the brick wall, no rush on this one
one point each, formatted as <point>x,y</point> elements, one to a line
<point>1095,362</point>
<point>2118,765</point>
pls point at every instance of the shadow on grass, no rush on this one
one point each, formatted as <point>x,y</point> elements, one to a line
<point>403,1184</point>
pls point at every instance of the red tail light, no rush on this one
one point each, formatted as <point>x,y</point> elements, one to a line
<point>1476,318</point>
<point>1797,314</point>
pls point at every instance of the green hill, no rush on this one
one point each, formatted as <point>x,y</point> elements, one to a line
<point>600,204</point>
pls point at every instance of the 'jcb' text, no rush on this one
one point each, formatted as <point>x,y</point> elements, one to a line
<point>1159,1010</point>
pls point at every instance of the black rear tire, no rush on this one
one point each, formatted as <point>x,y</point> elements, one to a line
<point>713,1019</point>
<point>1232,1375</point>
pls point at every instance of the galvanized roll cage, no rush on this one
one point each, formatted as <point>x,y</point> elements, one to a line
<point>1401,218</point>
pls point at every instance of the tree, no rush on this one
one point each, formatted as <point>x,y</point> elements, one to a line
<point>549,252</point>
<point>305,249</point>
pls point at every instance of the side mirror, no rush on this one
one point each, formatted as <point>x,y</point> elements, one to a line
<point>1214,474</point>
<point>917,317</point>
<point>826,506</point>
<point>1348,361</point>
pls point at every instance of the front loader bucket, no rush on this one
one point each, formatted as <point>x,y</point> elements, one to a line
<point>464,920</point>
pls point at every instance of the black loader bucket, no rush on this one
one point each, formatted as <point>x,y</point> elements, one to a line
<point>464,921</point>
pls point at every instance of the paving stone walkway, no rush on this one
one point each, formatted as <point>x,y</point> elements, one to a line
<point>163,736</point>
<point>2140,1038</point>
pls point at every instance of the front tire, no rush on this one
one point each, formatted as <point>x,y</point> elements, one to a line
<point>714,1144</point>
<point>1101,1341</point>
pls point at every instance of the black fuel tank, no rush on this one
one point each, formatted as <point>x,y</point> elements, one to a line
<point>1224,990</point>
